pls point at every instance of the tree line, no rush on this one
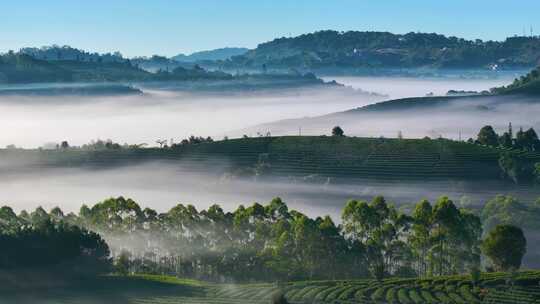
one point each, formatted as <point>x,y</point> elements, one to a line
<point>42,242</point>
<point>523,140</point>
<point>262,242</point>
<point>514,164</point>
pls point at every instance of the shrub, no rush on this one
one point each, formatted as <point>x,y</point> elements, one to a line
<point>278,298</point>
<point>403,296</point>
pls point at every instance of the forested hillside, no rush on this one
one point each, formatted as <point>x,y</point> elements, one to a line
<point>67,53</point>
<point>528,84</point>
<point>353,49</point>
<point>22,68</point>
<point>211,55</point>
<point>17,68</point>
<point>378,254</point>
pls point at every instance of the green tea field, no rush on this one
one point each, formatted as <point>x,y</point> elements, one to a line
<point>347,157</point>
<point>519,288</point>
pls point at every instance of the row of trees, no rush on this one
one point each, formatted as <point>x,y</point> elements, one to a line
<point>272,242</point>
<point>41,242</point>
<point>193,140</point>
<point>514,165</point>
<point>523,140</point>
<point>108,144</point>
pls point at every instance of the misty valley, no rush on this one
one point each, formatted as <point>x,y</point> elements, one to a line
<point>328,167</point>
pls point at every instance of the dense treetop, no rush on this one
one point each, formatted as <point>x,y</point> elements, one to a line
<point>263,242</point>
<point>505,246</point>
<point>383,49</point>
<point>42,242</point>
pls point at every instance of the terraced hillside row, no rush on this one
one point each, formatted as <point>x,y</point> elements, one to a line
<point>503,288</point>
<point>295,156</point>
<point>492,288</point>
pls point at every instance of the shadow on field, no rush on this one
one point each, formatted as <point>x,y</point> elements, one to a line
<point>111,289</point>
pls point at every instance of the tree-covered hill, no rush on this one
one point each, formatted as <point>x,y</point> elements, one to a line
<point>20,68</point>
<point>523,92</point>
<point>354,49</point>
<point>212,55</point>
<point>67,53</point>
<point>103,71</point>
<point>528,85</point>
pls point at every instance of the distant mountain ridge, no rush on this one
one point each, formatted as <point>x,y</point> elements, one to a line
<point>354,49</point>
<point>211,55</point>
<point>21,68</point>
<point>333,52</point>
<point>99,77</point>
<point>63,53</point>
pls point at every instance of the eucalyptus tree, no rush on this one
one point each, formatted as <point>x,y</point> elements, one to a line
<point>270,242</point>
<point>381,229</point>
<point>420,237</point>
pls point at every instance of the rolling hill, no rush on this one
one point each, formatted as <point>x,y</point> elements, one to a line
<point>451,116</point>
<point>335,157</point>
<point>211,55</point>
<point>526,88</point>
<point>20,68</point>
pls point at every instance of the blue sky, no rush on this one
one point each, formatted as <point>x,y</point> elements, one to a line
<point>146,27</point>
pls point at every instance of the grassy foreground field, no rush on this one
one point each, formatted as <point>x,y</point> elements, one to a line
<point>519,288</point>
<point>347,157</point>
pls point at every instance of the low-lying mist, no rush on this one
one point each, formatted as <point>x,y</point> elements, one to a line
<point>31,121</point>
<point>401,87</point>
<point>457,119</point>
<point>162,185</point>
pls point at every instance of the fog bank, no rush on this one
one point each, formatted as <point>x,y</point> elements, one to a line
<point>33,121</point>
<point>401,87</point>
<point>162,185</point>
<point>459,119</point>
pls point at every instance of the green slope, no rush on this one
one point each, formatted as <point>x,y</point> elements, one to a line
<point>17,68</point>
<point>492,288</point>
<point>528,84</point>
<point>341,157</point>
